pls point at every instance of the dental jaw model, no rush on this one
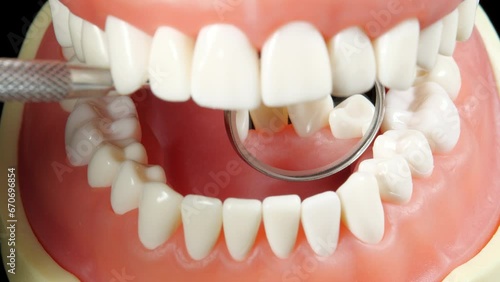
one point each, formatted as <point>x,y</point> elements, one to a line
<point>146,187</point>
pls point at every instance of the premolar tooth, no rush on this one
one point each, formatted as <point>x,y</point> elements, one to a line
<point>170,64</point>
<point>321,222</point>
<point>352,117</point>
<point>353,62</point>
<point>396,53</point>
<point>225,72</point>
<point>202,222</point>
<point>466,19</point>
<point>129,55</point>
<point>94,45</point>
<point>75,29</point>
<point>274,119</point>
<point>295,66</point>
<point>445,73</point>
<point>281,216</point>
<point>362,210</point>
<point>242,124</point>
<point>309,117</point>
<point>449,35</point>
<point>159,214</point>
<point>241,219</point>
<point>428,45</point>
<point>60,20</point>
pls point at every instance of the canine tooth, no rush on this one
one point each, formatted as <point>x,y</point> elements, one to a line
<point>393,178</point>
<point>170,64</point>
<point>159,214</point>
<point>466,19</point>
<point>396,53</point>
<point>242,124</point>
<point>60,20</point>
<point>129,55</point>
<point>281,216</point>
<point>352,117</point>
<point>129,182</point>
<point>445,73</point>
<point>241,219</point>
<point>449,35</point>
<point>94,45</point>
<point>202,222</point>
<point>362,211</point>
<point>409,144</point>
<point>225,72</point>
<point>321,222</point>
<point>309,117</point>
<point>353,62</point>
<point>75,30</point>
<point>427,108</point>
<point>274,119</point>
<point>295,66</point>
<point>428,45</point>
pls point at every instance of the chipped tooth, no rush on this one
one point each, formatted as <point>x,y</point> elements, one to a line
<point>281,215</point>
<point>353,62</point>
<point>129,55</point>
<point>445,73</point>
<point>309,117</point>
<point>352,117</point>
<point>170,64</point>
<point>159,214</point>
<point>68,53</point>
<point>428,45</point>
<point>75,30</point>
<point>225,73</point>
<point>202,222</point>
<point>466,18</point>
<point>242,124</point>
<point>94,45</point>
<point>321,222</point>
<point>295,66</point>
<point>396,53</point>
<point>274,119</point>
<point>60,20</point>
<point>241,219</point>
<point>68,105</point>
<point>449,35</point>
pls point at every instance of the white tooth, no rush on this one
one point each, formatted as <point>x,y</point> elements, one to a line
<point>281,216</point>
<point>362,211</point>
<point>225,72</point>
<point>202,222</point>
<point>352,117</point>
<point>428,45</point>
<point>295,66</point>
<point>449,35</point>
<point>170,64</point>
<point>60,20</point>
<point>68,105</point>
<point>159,214</point>
<point>309,117</point>
<point>241,219</point>
<point>427,108</point>
<point>466,19</point>
<point>242,124</point>
<point>68,53</point>
<point>446,73</point>
<point>129,182</point>
<point>128,55</point>
<point>393,177</point>
<point>75,29</point>
<point>94,45</point>
<point>274,119</point>
<point>321,222</point>
<point>396,53</point>
<point>353,62</point>
<point>409,144</point>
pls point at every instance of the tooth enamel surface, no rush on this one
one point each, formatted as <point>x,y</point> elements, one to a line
<point>309,117</point>
<point>94,45</point>
<point>446,73</point>
<point>281,216</point>
<point>427,108</point>
<point>428,45</point>
<point>274,119</point>
<point>129,182</point>
<point>466,18</point>
<point>409,144</point>
<point>75,29</point>
<point>68,53</point>
<point>60,20</point>
<point>321,222</point>
<point>170,64</point>
<point>129,55</point>
<point>68,105</point>
<point>352,117</point>
<point>362,211</point>
<point>241,219</point>
<point>225,72</point>
<point>449,35</point>
<point>393,178</point>
<point>159,214</point>
<point>396,53</point>
<point>242,124</point>
<point>353,62</point>
<point>295,66</point>
<point>202,222</point>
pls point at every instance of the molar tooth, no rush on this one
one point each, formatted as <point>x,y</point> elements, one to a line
<point>170,64</point>
<point>241,219</point>
<point>309,117</point>
<point>445,73</point>
<point>75,28</point>
<point>202,222</point>
<point>449,35</point>
<point>321,222</point>
<point>428,45</point>
<point>362,210</point>
<point>94,45</point>
<point>274,119</point>
<point>353,62</point>
<point>225,72</point>
<point>295,66</point>
<point>60,20</point>
<point>242,124</point>
<point>396,53</point>
<point>352,117</point>
<point>466,18</point>
<point>281,216</point>
<point>159,214</point>
<point>129,55</point>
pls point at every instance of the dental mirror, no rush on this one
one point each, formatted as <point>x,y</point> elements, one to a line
<point>279,152</point>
